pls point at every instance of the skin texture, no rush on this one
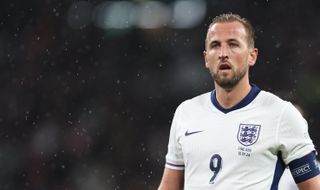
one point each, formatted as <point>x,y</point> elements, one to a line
<point>172,180</point>
<point>310,184</point>
<point>228,58</point>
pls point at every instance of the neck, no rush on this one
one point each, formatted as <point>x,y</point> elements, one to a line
<point>228,98</point>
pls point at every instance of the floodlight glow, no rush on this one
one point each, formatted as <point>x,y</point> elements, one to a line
<point>115,15</point>
<point>187,13</point>
<point>153,14</point>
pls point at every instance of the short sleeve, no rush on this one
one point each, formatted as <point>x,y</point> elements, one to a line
<point>294,137</point>
<point>174,157</point>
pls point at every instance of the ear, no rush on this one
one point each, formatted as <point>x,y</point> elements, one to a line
<point>253,54</point>
<point>205,58</point>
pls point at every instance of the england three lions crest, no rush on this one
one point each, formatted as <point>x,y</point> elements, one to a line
<point>248,134</point>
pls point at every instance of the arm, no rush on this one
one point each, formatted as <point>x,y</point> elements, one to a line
<point>295,140</point>
<point>172,180</point>
<point>310,184</point>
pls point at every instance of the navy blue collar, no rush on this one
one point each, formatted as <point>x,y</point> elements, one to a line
<point>245,101</point>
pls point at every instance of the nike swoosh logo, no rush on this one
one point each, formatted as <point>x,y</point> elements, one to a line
<point>191,133</point>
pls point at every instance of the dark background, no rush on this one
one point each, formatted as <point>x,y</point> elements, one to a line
<point>89,107</point>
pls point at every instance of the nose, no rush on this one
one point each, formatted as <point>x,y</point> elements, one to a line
<point>223,54</point>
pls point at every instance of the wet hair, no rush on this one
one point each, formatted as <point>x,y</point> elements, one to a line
<point>230,17</point>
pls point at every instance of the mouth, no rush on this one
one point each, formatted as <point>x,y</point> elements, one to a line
<point>224,66</point>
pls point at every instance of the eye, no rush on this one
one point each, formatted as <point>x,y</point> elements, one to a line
<point>214,45</point>
<point>233,45</point>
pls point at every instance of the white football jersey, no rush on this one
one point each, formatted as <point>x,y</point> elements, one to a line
<point>243,148</point>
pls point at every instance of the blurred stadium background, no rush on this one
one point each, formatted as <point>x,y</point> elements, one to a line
<point>89,88</point>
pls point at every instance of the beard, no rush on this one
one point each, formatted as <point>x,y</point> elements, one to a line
<point>229,83</point>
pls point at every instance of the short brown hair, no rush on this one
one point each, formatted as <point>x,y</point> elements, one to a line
<point>230,17</point>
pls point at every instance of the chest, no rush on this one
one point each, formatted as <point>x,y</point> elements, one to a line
<point>243,137</point>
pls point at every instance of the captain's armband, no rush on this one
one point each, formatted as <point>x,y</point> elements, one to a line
<point>304,168</point>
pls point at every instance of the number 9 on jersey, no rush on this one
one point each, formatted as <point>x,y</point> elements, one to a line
<point>215,166</point>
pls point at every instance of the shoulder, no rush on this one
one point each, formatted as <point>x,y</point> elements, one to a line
<point>277,103</point>
<point>195,104</point>
<point>268,99</point>
<point>199,100</point>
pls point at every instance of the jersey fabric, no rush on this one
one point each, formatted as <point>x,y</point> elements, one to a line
<point>246,147</point>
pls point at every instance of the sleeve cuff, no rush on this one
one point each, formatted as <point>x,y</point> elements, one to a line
<point>174,166</point>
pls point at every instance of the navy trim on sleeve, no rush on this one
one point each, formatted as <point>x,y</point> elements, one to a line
<point>304,168</point>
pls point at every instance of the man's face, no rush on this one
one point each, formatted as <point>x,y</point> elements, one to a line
<point>227,53</point>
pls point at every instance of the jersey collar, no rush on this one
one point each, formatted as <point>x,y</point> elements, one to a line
<point>245,101</point>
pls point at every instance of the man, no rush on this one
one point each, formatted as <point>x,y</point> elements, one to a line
<point>237,136</point>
